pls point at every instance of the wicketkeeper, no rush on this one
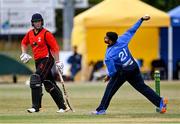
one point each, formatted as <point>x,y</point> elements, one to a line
<point>46,52</point>
<point>122,67</point>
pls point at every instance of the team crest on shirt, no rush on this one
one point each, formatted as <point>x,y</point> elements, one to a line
<point>39,39</point>
<point>35,43</point>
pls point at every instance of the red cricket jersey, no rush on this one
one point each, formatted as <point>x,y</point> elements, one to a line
<point>39,43</point>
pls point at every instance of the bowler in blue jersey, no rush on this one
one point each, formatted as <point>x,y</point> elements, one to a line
<point>122,67</point>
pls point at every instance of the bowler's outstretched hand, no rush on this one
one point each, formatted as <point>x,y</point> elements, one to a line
<point>146,17</point>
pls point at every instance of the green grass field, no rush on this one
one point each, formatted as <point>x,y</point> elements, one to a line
<point>127,106</point>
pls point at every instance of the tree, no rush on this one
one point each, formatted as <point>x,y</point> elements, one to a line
<point>164,5</point>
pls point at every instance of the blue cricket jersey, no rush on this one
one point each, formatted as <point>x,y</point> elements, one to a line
<point>118,55</point>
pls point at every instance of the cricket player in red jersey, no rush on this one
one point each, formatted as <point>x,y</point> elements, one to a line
<point>46,52</point>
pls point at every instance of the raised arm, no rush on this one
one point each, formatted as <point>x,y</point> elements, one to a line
<point>126,37</point>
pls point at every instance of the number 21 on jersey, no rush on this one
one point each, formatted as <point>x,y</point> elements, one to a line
<point>123,55</point>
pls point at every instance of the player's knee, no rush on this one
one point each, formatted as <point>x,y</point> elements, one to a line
<point>49,86</point>
<point>35,81</point>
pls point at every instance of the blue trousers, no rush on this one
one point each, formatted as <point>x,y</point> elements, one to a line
<point>133,76</point>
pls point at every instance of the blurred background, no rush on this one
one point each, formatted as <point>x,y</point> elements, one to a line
<point>83,23</point>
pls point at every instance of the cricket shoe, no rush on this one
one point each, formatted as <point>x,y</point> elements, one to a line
<point>32,110</point>
<point>163,105</point>
<point>101,112</point>
<point>63,110</point>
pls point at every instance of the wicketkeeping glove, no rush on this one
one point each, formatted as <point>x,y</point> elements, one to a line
<point>25,57</point>
<point>60,66</point>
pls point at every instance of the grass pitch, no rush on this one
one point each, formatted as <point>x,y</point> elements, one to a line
<point>127,106</point>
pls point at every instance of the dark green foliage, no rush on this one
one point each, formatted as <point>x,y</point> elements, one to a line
<point>10,66</point>
<point>164,5</point>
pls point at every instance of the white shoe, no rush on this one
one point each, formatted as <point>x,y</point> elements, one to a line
<point>31,110</point>
<point>101,112</point>
<point>63,111</point>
